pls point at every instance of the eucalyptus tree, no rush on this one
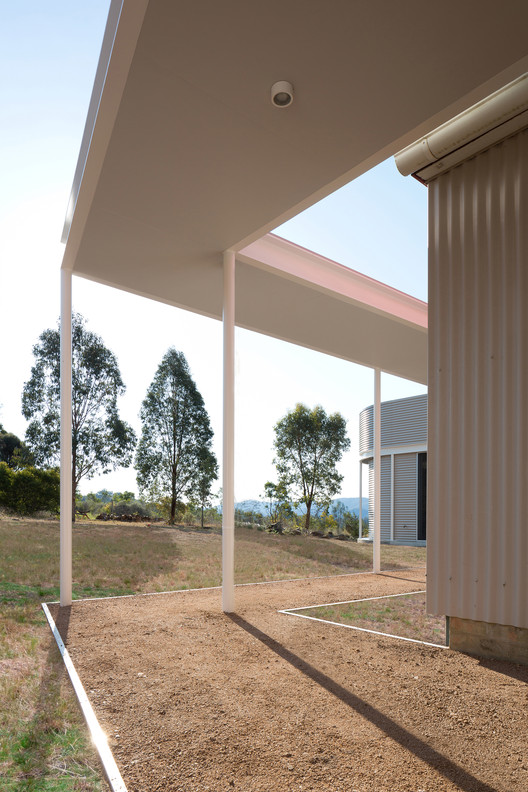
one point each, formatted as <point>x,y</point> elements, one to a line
<point>101,440</point>
<point>174,457</point>
<point>308,447</point>
<point>207,474</point>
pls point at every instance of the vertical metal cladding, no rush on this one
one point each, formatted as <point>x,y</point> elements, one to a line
<point>403,424</point>
<point>477,508</point>
<point>366,429</point>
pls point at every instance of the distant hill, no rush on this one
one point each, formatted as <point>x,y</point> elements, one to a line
<point>352,504</point>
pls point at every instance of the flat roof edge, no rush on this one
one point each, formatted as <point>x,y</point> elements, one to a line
<point>297,263</point>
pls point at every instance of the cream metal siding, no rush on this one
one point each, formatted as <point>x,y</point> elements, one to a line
<point>477,510</point>
<point>405,497</point>
<point>403,422</point>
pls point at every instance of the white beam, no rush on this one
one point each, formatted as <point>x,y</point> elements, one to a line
<point>228,465</point>
<point>66,489</point>
<point>292,262</point>
<point>376,545</point>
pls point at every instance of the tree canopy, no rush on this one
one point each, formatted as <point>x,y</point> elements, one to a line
<point>101,441</point>
<point>13,451</point>
<point>174,457</point>
<point>308,447</point>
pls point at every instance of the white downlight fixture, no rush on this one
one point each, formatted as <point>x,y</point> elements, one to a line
<point>282,94</point>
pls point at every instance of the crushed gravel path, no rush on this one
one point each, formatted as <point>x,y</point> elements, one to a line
<point>193,699</point>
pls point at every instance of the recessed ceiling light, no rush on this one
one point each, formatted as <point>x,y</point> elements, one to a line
<point>282,94</point>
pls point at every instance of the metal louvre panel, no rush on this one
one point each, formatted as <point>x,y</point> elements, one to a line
<point>403,421</point>
<point>477,509</point>
<point>371,499</point>
<point>405,496</point>
<point>385,499</point>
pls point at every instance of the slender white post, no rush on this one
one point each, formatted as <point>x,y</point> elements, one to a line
<point>228,466</point>
<point>376,545</point>
<point>360,531</point>
<point>66,439</point>
<point>392,497</point>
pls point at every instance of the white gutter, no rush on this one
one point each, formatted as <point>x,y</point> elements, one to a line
<point>480,126</point>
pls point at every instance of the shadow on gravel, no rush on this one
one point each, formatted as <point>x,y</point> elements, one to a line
<point>386,572</point>
<point>512,670</point>
<point>449,769</point>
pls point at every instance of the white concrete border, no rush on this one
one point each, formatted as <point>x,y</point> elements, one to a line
<point>293,612</point>
<point>98,736</point>
<point>237,585</point>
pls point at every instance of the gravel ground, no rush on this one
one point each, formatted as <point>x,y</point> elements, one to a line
<point>192,699</point>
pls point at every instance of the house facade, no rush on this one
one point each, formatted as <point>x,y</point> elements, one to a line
<point>403,469</point>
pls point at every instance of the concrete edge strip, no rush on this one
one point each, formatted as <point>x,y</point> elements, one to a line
<point>237,585</point>
<point>363,599</point>
<point>98,736</point>
<point>293,612</point>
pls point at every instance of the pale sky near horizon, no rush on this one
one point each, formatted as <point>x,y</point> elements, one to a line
<point>376,225</point>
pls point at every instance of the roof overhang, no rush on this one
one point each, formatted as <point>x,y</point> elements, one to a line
<point>293,294</point>
<point>184,156</point>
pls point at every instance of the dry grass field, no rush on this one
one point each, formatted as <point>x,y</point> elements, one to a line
<point>404,616</point>
<point>43,742</point>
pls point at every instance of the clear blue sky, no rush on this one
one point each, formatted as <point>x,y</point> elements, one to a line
<point>377,225</point>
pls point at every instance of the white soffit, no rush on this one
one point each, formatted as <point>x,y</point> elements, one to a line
<point>296,263</point>
<point>293,294</point>
<point>184,155</point>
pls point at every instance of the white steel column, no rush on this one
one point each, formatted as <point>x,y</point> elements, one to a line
<point>360,530</point>
<point>392,497</point>
<point>66,489</point>
<point>228,465</point>
<point>376,544</point>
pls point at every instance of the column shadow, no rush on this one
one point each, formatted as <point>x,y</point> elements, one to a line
<point>385,573</point>
<point>38,742</point>
<point>446,767</point>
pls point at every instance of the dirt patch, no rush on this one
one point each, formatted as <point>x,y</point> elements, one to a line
<point>193,699</point>
<point>14,667</point>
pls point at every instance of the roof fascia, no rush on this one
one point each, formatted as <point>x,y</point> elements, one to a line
<point>122,31</point>
<point>295,263</point>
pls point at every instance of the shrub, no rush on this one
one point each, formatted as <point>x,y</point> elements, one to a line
<point>29,490</point>
<point>6,485</point>
<point>132,508</point>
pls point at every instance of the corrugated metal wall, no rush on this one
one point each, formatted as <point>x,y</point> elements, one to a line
<point>405,497</point>
<point>477,513</point>
<point>366,429</point>
<point>403,421</point>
